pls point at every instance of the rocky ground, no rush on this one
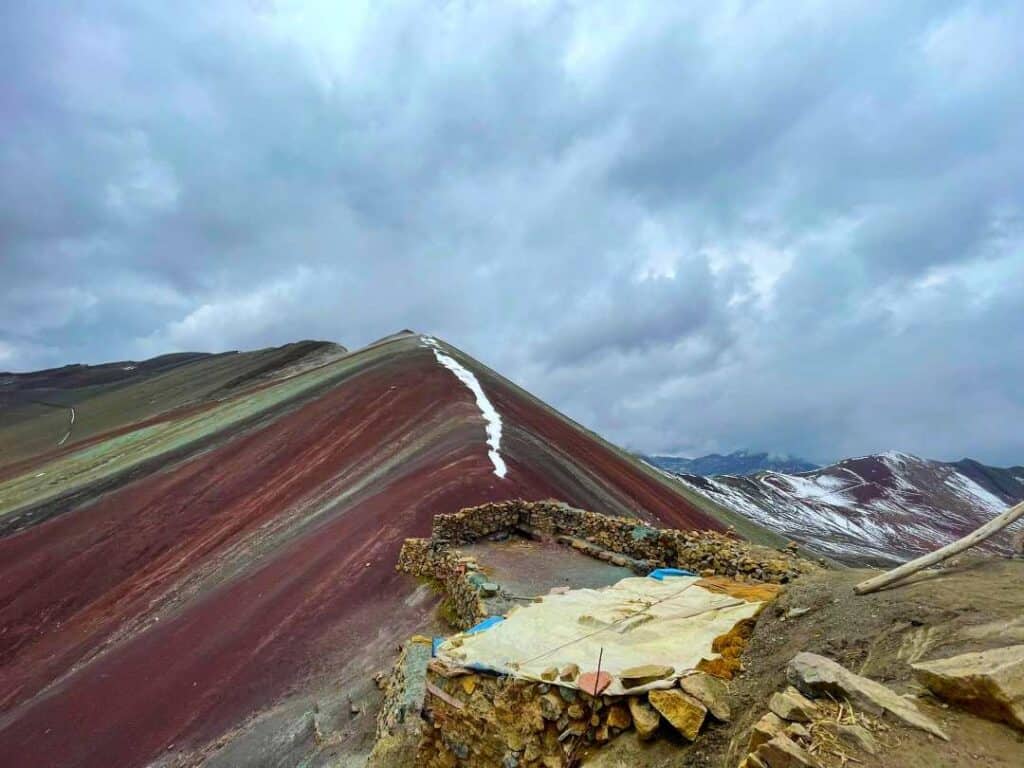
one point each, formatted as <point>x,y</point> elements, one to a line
<point>974,605</point>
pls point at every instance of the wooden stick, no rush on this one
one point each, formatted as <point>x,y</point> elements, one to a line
<point>449,700</point>
<point>994,525</point>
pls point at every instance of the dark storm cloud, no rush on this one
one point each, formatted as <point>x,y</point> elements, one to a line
<point>786,226</point>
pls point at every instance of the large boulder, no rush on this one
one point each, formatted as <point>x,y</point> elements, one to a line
<point>816,675</point>
<point>989,684</point>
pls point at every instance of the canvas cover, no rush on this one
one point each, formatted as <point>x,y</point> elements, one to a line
<point>637,621</point>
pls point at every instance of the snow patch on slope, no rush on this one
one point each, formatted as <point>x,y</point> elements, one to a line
<point>492,419</point>
<point>824,489</point>
<point>881,509</point>
<point>966,487</point>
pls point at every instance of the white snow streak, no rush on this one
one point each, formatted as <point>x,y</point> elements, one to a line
<point>492,418</point>
<point>973,492</point>
<point>70,427</point>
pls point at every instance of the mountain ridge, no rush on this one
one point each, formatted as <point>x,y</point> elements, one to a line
<point>249,534</point>
<point>736,463</point>
<point>876,509</point>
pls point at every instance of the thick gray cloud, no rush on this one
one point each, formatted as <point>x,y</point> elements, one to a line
<point>793,226</point>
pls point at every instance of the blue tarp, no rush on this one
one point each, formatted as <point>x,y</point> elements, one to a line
<point>487,623</point>
<point>661,573</point>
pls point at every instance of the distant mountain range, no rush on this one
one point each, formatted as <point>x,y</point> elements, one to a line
<point>735,463</point>
<point>872,509</point>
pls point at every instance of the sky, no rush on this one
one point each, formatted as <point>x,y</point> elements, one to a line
<point>693,227</point>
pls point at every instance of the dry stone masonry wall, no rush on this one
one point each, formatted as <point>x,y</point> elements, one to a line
<point>458,576</point>
<point>399,722</point>
<point>477,720</point>
<point>625,541</point>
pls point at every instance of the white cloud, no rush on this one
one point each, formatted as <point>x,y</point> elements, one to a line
<point>794,227</point>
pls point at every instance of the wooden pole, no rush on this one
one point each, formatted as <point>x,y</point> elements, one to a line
<point>993,526</point>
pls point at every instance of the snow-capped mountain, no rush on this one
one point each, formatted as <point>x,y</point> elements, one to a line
<point>872,509</point>
<point>735,463</point>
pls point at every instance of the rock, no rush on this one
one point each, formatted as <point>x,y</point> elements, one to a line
<point>569,673</point>
<point>468,684</point>
<point>549,674</point>
<point>619,717</point>
<point>783,752</point>
<point>791,705</point>
<point>644,674</point>
<point>575,711</point>
<point>573,729</point>
<point>765,729</point>
<point>816,675</point>
<point>797,732</point>
<point>551,706</point>
<point>752,761</point>
<point>645,717</point>
<point>594,682</point>
<point>855,736</point>
<point>681,710</point>
<point>989,684</point>
<point>709,691</point>
<point>796,613</point>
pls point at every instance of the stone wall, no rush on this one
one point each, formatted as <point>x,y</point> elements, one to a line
<point>399,721</point>
<point>459,577</point>
<point>705,552</point>
<point>484,721</point>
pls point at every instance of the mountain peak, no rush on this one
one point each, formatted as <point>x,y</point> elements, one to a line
<point>740,462</point>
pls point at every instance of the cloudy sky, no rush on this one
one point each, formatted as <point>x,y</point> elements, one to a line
<point>793,226</point>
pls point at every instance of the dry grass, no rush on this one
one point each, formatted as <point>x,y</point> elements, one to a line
<point>830,750</point>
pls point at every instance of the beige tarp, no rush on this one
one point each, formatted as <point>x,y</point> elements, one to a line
<point>636,621</point>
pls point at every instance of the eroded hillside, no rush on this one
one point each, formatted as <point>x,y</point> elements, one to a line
<point>178,574</point>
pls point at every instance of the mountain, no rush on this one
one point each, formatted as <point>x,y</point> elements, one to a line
<point>872,509</point>
<point>736,463</point>
<point>200,549</point>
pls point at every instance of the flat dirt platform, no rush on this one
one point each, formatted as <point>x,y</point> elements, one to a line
<point>528,568</point>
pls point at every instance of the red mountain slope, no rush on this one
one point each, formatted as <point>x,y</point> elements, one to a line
<point>240,560</point>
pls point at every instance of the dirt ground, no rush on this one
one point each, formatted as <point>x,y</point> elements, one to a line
<point>976,604</point>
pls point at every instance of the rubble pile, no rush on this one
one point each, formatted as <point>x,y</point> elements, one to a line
<point>827,716</point>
